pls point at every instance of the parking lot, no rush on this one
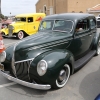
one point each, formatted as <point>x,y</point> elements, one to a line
<point>82,85</point>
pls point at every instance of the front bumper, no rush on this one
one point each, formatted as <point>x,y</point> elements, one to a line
<point>8,35</point>
<point>31,85</point>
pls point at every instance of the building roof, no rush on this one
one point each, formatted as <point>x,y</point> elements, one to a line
<point>94,9</point>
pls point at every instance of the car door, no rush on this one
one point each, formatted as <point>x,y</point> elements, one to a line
<point>81,42</point>
<point>31,25</point>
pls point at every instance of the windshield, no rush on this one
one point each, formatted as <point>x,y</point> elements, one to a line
<point>20,19</point>
<point>56,25</point>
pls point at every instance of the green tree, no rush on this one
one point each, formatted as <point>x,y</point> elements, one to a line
<point>2,16</point>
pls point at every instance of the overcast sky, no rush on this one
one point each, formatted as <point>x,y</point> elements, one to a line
<point>17,6</point>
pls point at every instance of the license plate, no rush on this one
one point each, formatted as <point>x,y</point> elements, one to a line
<point>1,67</point>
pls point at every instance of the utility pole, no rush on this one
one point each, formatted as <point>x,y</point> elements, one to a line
<point>0,6</point>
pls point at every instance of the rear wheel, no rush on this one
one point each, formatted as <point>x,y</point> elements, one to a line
<point>63,77</point>
<point>20,35</point>
<point>97,50</point>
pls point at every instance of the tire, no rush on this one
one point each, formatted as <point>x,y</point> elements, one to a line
<point>62,78</point>
<point>97,50</point>
<point>3,34</point>
<point>20,35</point>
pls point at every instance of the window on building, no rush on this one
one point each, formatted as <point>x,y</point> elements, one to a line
<point>30,19</point>
<point>73,11</point>
<point>81,12</point>
<point>45,9</point>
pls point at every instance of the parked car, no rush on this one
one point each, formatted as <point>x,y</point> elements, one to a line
<point>5,23</point>
<point>98,22</point>
<point>63,44</point>
<point>24,25</point>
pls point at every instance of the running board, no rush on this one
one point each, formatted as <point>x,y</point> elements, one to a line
<point>8,36</point>
<point>80,62</point>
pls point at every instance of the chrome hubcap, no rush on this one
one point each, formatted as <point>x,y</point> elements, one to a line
<point>98,49</point>
<point>20,35</point>
<point>62,75</point>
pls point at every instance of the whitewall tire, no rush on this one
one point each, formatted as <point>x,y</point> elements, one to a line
<point>63,77</point>
<point>20,35</point>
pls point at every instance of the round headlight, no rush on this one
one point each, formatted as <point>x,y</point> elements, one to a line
<point>2,56</point>
<point>42,67</point>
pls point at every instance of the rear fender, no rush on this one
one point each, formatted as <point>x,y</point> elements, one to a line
<point>96,41</point>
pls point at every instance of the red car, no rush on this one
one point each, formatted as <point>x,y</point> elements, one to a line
<point>6,23</point>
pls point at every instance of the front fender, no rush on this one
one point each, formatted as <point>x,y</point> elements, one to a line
<point>55,59</point>
<point>5,30</point>
<point>17,30</point>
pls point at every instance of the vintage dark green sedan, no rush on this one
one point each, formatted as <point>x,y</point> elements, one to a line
<point>63,44</point>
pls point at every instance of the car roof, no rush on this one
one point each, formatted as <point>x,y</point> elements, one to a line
<point>69,16</point>
<point>29,14</point>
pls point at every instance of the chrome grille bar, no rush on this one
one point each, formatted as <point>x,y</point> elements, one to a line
<point>10,30</point>
<point>22,69</point>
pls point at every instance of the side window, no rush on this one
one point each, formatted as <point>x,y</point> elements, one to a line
<point>92,23</point>
<point>30,19</point>
<point>82,26</point>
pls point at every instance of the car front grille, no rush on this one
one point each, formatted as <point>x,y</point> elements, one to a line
<point>22,70</point>
<point>10,30</point>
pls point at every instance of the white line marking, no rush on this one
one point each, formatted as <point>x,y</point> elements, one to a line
<point>8,84</point>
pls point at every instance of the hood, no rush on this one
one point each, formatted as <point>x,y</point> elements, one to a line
<point>17,24</point>
<point>40,43</point>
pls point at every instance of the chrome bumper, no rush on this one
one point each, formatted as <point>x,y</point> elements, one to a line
<point>31,85</point>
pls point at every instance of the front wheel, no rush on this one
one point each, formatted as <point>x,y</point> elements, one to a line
<point>63,77</point>
<point>20,35</point>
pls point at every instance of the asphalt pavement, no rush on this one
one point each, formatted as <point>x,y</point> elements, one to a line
<point>82,85</point>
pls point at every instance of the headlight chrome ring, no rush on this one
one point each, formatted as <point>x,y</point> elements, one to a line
<point>2,56</point>
<point>42,67</point>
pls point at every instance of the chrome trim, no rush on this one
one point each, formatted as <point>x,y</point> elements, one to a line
<point>24,60</point>
<point>13,61</point>
<point>31,85</point>
<point>9,36</point>
<point>29,69</point>
<point>4,54</point>
<point>45,66</point>
<point>49,44</point>
<point>53,45</point>
<point>10,30</point>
